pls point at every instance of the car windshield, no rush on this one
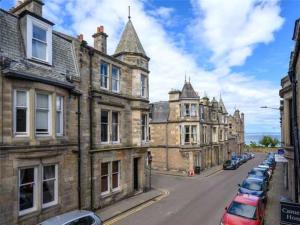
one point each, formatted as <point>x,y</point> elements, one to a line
<point>240,209</point>
<point>257,173</point>
<point>252,185</point>
<point>228,162</point>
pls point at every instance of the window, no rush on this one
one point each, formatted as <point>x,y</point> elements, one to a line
<point>86,220</point>
<point>43,118</point>
<point>214,135</point>
<point>115,127</point>
<point>144,127</point>
<point>21,112</point>
<point>194,135</point>
<point>104,126</point>
<point>27,190</point>
<point>104,75</point>
<point>143,86</point>
<point>39,40</point>
<point>115,175</point>
<point>115,79</point>
<point>49,195</point>
<point>59,115</point>
<point>193,110</point>
<point>187,134</point>
<point>104,178</point>
<point>202,112</point>
<point>187,109</point>
<point>204,135</point>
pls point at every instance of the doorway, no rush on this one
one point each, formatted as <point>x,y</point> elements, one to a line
<point>136,174</point>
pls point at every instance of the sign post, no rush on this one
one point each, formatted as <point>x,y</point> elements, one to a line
<point>290,213</point>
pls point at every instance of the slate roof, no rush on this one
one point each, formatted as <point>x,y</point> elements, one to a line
<point>130,42</point>
<point>12,47</point>
<point>159,111</point>
<point>188,92</point>
<point>222,106</point>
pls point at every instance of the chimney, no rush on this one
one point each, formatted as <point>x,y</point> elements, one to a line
<point>100,42</point>
<point>80,37</point>
<point>34,6</point>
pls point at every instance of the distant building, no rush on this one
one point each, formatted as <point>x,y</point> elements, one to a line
<point>290,115</point>
<point>188,132</point>
<point>236,135</point>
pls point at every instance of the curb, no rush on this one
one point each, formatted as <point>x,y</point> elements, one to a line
<point>161,194</point>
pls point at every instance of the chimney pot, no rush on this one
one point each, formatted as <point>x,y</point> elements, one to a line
<point>80,37</point>
<point>100,29</point>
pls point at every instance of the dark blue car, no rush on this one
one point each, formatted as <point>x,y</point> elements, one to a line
<point>253,186</point>
<point>257,172</point>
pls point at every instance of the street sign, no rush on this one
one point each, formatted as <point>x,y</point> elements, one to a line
<point>290,213</point>
<point>280,151</point>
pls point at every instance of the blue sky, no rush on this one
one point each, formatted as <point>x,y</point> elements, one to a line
<point>237,48</point>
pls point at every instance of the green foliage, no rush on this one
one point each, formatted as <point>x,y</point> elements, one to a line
<point>253,144</point>
<point>267,141</point>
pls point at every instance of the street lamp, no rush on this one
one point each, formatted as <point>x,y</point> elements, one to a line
<point>267,107</point>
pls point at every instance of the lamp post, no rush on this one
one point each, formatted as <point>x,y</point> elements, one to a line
<point>267,107</point>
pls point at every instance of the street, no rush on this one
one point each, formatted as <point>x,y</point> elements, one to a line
<point>193,201</point>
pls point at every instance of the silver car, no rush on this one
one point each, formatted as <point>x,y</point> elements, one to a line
<point>76,217</point>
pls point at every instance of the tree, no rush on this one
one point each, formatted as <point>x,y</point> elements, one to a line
<point>274,142</point>
<point>253,144</point>
<point>266,141</point>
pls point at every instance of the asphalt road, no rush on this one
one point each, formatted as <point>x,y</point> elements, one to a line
<point>192,201</point>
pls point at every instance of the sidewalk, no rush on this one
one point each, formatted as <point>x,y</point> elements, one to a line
<point>276,191</point>
<point>125,205</point>
<point>204,173</point>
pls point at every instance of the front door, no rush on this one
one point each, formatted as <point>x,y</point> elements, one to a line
<point>136,174</point>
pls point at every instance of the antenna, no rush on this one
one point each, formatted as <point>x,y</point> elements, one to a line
<point>129,17</point>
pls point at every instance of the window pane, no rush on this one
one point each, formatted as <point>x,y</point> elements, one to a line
<point>104,184</point>
<point>21,98</point>
<point>104,69</point>
<point>58,103</point>
<point>42,121</point>
<point>104,169</point>
<point>103,81</point>
<point>39,49</point>
<point>115,167</point>
<point>26,176</point>
<point>104,126</point>
<point>58,128</point>
<point>115,132</point>
<point>21,120</point>
<point>42,101</point>
<point>39,33</point>
<point>115,73</point>
<point>48,191</point>
<point>49,172</point>
<point>26,197</point>
<point>115,180</point>
<point>115,85</point>
<point>104,117</point>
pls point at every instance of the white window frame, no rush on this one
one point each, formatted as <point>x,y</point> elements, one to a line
<point>144,88</point>
<point>35,190</point>
<point>21,134</point>
<point>49,114</point>
<point>118,132</point>
<point>55,201</point>
<point>33,21</point>
<point>119,175</point>
<point>108,178</point>
<point>61,116</point>
<point>117,80</point>
<point>107,75</point>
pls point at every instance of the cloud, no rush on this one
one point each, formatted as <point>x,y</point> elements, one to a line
<point>229,31</point>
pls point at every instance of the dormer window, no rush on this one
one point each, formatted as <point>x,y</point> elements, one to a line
<point>39,40</point>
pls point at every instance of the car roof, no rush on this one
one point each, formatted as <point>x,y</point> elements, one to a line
<point>66,217</point>
<point>249,179</point>
<point>246,199</point>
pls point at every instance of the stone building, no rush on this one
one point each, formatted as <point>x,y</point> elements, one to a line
<point>188,131</point>
<point>290,111</point>
<point>38,118</point>
<point>115,109</point>
<point>236,135</point>
<point>73,119</point>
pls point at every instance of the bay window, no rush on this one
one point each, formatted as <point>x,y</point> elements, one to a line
<point>43,115</point>
<point>190,134</point>
<point>115,79</point>
<point>59,116</point>
<point>21,113</point>
<point>104,82</point>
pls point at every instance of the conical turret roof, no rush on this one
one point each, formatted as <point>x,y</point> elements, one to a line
<point>222,106</point>
<point>130,42</point>
<point>188,91</point>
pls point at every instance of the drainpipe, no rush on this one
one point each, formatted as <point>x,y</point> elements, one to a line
<point>91,54</point>
<point>79,150</point>
<point>167,146</point>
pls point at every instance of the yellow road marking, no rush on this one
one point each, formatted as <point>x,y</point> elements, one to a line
<point>165,193</point>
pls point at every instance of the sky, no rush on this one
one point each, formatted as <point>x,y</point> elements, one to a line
<point>237,49</point>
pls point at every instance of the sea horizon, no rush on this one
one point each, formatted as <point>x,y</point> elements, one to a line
<point>257,136</point>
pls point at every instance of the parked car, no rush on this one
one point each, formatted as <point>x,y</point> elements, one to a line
<point>269,163</point>
<point>256,172</point>
<point>229,165</point>
<point>266,166</point>
<point>76,217</point>
<point>252,155</point>
<point>235,161</point>
<point>244,210</point>
<point>254,187</point>
<point>239,161</point>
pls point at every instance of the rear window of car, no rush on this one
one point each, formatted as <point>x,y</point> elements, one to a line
<point>243,210</point>
<point>86,220</point>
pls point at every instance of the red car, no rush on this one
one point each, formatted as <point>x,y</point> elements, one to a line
<point>244,210</point>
